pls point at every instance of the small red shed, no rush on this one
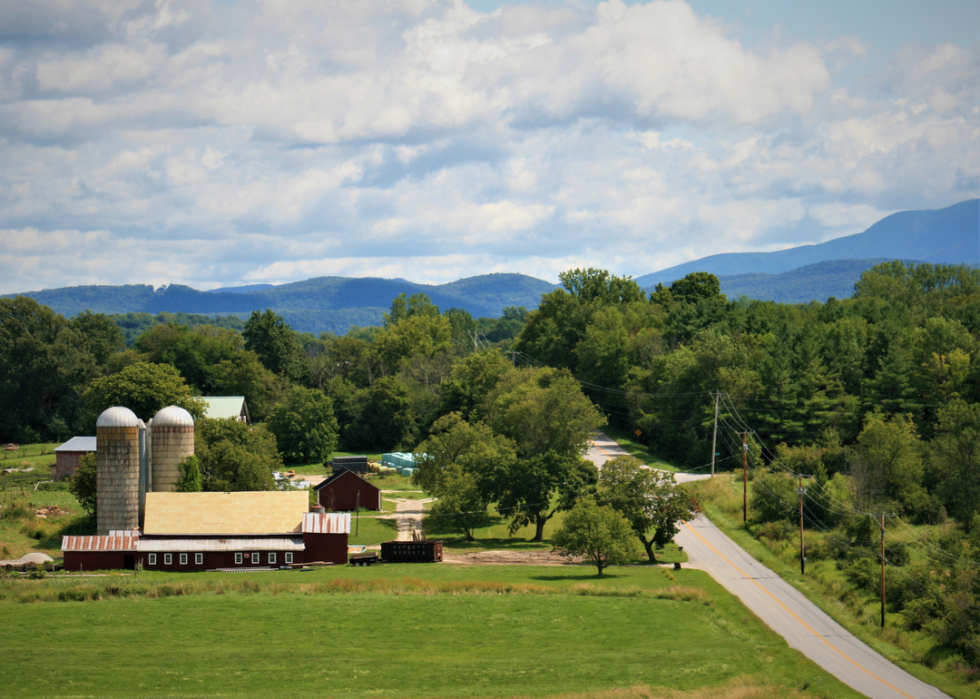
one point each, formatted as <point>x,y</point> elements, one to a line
<point>346,491</point>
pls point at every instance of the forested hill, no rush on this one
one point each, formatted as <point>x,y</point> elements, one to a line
<point>315,305</point>
<point>816,282</point>
<point>942,236</point>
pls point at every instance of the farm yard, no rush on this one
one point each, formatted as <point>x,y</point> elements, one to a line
<point>394,630</point>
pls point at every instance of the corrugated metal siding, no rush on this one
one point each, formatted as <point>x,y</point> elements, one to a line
<point>201,545</point>
<point>329,523</point>
<point>99,543</point>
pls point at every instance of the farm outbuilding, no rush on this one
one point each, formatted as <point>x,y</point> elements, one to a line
<point>69,455</point>
<point>346,491</point>
<point>207,531</point>
<point>358,464</point>
<point>224,407</point>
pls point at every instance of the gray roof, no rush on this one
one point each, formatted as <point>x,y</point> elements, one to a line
<point>221,407</point>
<point>78,444</point>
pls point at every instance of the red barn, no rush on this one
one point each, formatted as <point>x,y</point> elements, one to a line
<point>69,455</point>
<point>346,491</point>
<point>205,531</point>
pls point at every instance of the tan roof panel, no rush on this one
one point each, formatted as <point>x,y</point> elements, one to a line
<point>264,512</point>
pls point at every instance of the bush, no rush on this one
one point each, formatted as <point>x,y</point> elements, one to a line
<point>773,497</point>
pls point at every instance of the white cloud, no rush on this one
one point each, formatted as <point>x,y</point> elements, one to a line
<point>423,139</point>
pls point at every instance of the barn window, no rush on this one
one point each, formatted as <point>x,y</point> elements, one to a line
<point>289,558</point>
<point>168,558</point>
<point>238,559</point>
<point>256,558</point>
<point>183,559</point>
<point>199,559</point>
<point>272,559</point>
<point>151,560</point>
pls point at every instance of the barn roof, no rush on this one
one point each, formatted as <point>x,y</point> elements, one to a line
<point>335,477</point>
<point>222,407</point>
<point>119,542</point>
<point>78,444</point>
<point>326,523</point>
<point>263,512</point>
<point>286,543</point>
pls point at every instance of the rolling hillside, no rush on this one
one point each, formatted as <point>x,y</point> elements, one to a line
<point>330,304</point>
<point>948,236</point>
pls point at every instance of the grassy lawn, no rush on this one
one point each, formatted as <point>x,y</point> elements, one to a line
<point>627,440</point>
<point>21,532</point>
<point>360,632</point>
<point>371,530</point>
<point>827,587</point>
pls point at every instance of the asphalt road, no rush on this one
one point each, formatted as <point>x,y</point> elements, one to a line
<point>784,609</point>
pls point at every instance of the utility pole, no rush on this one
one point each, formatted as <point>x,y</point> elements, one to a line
<point>882,570</point>
<point>714,440</point>
<point>745,477</point>
<point>357,517</point>
<point>801,491</point>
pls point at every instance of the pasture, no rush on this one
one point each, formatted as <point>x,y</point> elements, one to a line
<point>392,630</point>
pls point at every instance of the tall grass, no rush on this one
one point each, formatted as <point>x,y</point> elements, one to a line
<point>69,589</point>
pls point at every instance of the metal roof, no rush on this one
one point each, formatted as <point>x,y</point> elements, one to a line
<point>222,407</point>
<point>100,543</point>
<point>329,523</point>
<point>78,444</point>
<point>292,543</point>
<point>173,416</point>
<point>117,416</point>
<point>259,512</point>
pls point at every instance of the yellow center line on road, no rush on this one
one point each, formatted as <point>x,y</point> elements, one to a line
<point>807,626</point>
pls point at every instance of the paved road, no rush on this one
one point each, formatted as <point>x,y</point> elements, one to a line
<point>784,609</point>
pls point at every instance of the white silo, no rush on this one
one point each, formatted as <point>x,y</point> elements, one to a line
<point>172,440</point>
<point>117,433</point>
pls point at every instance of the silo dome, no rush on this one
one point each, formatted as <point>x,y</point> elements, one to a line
<point>118,416</point>
<point>172,416</point>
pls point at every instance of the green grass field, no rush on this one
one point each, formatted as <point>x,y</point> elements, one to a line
<point>363,632</point>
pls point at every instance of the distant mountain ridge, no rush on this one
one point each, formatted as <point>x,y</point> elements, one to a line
<point>947,236</point>
<point>816,282</point>
<point>314,305</point>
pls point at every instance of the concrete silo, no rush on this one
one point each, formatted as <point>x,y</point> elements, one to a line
<point>172,440</point>
<point>117,433</point>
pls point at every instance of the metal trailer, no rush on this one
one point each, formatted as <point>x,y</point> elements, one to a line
<point>411,551</point>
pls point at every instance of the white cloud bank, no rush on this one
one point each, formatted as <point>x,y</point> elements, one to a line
<point>272,141</point>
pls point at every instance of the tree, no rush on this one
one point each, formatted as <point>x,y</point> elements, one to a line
<point>190,476</point>
<point>457,447</point>
<point>84,484</point>
<point>550,420</point>
<point>596,532</point>
<point>888,463</point>
<point>650,501</point>
<point>143,388</point>
<point>304,425</point>
<point>696,286</point>
<point>275,343</point>
<point>384,417</point>
<point>234,456</point>
<point>955,454</point>
<point>244,375</point>
<point>462,507</point>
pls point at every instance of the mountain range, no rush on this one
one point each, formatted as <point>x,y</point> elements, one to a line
<point>796,275</point>
<point>941,236</point>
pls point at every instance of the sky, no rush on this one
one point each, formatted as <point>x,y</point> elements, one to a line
<point>266,142</point>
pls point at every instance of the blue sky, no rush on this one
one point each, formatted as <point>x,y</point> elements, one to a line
<point>260,141</point>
